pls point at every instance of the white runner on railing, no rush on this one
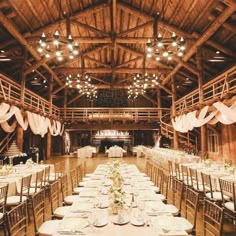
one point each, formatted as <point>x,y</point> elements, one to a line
<point>223,114</point>
<point>38,124</point>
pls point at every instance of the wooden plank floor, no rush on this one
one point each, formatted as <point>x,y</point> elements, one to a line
<point>71,162</point>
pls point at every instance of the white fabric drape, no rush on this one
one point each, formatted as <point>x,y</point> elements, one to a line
<point>9,128</point>
<point>223,114</point>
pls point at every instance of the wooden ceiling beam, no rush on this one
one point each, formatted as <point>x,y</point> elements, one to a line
<point>90,28</point>
<point>130,61</point>
<point>14,32</point>
<point>186,65</point>
<point>97,61</point>
<point>74,99</point>
<point>134,11</point>
<point>83,13</point>
<point>108,70</point>
<point>35,65</point>
<point>134,52</point>
<point>124,33</point>
<point>149,99</point>
<point>20,14</point>
<point>100,80</point>
<point>206,35</point>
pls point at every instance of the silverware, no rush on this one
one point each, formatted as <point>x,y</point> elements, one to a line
<point>71,232</point>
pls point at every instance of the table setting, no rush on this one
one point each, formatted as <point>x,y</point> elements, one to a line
<point>120,208</point>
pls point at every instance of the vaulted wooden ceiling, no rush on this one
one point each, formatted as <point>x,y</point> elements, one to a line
<point>112,37</point>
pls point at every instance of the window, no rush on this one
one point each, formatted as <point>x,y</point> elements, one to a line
<point>213,141</point>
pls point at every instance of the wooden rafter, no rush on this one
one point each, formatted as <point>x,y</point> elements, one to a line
<point>149,99</point>
<point>207,34</point>
<point>108,70</point>
<point>130,61</point>
<point>74,99</point>
<point>90,28</point>
<point>12,30</point>
<point>97,61</point>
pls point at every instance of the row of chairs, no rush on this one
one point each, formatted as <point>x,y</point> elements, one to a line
<point>15,210</point>
<point>187,199</point>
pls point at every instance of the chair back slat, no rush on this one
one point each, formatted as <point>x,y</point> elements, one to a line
<point>54,196</point>
<point>16,220</point>
<point>38,206</point>
<point>212,218</point>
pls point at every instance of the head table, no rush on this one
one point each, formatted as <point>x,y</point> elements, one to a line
<point>143,212</point>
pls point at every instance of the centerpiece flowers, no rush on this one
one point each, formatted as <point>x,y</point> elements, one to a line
<point>116,194</point>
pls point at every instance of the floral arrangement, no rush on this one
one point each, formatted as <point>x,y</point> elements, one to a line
<point>207,162</point>
<point>117,201</point>
<point>29,162</point>
<point>116,193</point>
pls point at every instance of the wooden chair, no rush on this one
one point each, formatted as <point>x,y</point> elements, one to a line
<point>54,197</point>
<point>177,193</point>
<point>54,176</point>
<point>196,184</point>
<point>186,176</point>
<point>67,199</point>
<point>228,188</point>
<point>16,220</point>
<point>191,207</point>
<point>36,186</point>
<point>38,206</point>
<point>212,218</point>
<point>22,193</point>
<point>164,184</point>
<point>210,189</point>
<point>172,173</point>
<point>3,200</point>
<point>79,170</point>
<point>178,171</point>
<point>74,182</point>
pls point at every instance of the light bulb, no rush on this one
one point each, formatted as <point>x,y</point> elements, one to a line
<point>165,54</point>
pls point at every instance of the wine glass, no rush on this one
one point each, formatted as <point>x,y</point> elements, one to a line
<point>91,220</point>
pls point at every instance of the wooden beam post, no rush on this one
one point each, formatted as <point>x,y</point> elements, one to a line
<point>159,100</point>
<point>201,100</point>
<point>19,129</point>
<point>175,134</point>
<point>49,136</point>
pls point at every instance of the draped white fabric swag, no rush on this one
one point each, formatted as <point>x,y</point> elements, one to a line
<point>38,124</point>
<point>223,114</point>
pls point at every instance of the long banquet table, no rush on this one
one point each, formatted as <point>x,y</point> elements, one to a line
<point>17,173</point>
<point>91,215</point>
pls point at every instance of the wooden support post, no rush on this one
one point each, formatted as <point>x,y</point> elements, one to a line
<point>175,134</point>
<point>49,136</point>
<point>19,130</point>
<point>159,101</point>
<point>201,100</point>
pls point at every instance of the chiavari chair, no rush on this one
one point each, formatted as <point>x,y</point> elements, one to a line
<point>228,188</point>
<point>16,220</point>
<point>3,200</point>
<point>212,219</point>
<point>177,193</point>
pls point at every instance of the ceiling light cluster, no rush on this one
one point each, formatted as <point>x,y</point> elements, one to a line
<point>140,84</point>
<point>164,48</point>
<point>83,84</point>
<point>57,46</point>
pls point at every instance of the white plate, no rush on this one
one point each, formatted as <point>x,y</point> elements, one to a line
<point>120,220</point>
<point>137,222</point>
<point>101,222</point>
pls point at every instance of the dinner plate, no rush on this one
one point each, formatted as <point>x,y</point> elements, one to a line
<point>137,222</point>
<point>118,220</point>
<point>101,222</point>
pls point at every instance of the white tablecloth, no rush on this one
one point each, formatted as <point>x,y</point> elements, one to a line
<point>87,151</point>
<point>115,151</point>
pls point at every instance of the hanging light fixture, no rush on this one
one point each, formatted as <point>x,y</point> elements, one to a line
<point>140,84</point>
<point>83,84</point>
<point>163,48</point>
<point>57,45</point>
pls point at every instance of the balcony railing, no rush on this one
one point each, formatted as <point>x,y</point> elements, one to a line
<point>112,114</point>
<point>10,91</point>
<point>218,87</point>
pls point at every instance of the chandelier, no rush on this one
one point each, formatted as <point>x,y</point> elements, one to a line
<point>164,48</point>
<point>57,45</point>
<point>83,84</point>
<point>140,84</point>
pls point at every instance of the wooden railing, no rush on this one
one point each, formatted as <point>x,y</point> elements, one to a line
<point>111,114</point>
<point>10,91</point>
<point>168,130</point>
<point>216,88</point>
<point>5,143</point>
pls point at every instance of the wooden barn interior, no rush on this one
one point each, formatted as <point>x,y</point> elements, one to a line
<point>156,78</point>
